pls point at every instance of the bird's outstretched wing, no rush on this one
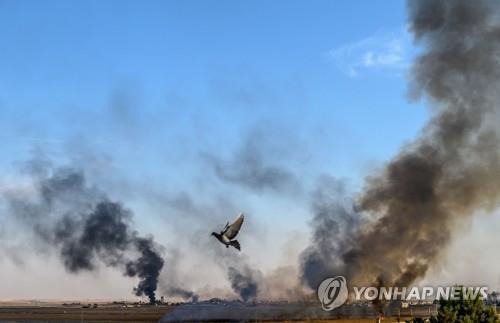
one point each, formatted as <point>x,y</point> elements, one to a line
<point>234,227</point>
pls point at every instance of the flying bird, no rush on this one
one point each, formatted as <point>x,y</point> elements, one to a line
<point>229,232</point>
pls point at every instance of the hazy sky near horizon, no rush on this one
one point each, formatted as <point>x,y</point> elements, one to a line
<point>149,98</point>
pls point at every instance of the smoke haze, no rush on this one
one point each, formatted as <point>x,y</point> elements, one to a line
<point>256,164</point>
<point>243,282</point>
<point>85,227</point>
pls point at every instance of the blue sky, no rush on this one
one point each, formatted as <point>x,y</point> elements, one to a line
<point>156,84</point>
<point>151,87</point>
<point>144,94</point>
<point>224,65</point>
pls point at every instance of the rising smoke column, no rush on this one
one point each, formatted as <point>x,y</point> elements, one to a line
<point>451,170</point>
<point>86,227</point>
<point>170,282</point>
<point>335,223</point>
<point>243,282</point>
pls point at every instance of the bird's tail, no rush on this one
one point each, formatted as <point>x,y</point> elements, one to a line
<point>235,244</point>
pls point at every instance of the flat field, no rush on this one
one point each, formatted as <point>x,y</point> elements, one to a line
<point>103,313</point>
<point>110,313</point>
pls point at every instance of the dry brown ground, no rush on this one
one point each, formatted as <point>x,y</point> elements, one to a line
<point>112,313</point>
<point>109,314</point>
<point>386,320</point>
<point>78,314</point>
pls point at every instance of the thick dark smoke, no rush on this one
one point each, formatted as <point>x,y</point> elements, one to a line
<point>335,224</point>
<point>147,267</point>
<point>243,282</point>
<point>447,174</point>
<point>86,227</point>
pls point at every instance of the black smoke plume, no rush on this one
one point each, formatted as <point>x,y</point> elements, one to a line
<point>147,267</point>
<point>243,282</point>
<point>335,223</point>
<point>447,174</point>
<point>86,227</point>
